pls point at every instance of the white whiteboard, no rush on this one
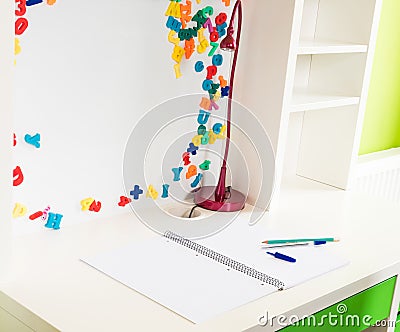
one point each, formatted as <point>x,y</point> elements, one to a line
<point>87,72</point>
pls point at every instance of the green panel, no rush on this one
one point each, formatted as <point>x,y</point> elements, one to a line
<point>374,302</point>
<point>382,119</point>
<point>397,329</point>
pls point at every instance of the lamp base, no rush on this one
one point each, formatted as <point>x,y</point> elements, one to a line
<point>205,198</point>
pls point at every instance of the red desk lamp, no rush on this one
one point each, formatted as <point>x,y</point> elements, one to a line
<point>222,198</point>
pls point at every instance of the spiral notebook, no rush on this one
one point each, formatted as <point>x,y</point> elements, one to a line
<point>198,281</point>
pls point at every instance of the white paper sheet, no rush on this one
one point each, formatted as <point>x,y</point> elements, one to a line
<point>198,288</point>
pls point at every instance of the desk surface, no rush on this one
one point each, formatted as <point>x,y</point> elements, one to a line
<point>51,281</point>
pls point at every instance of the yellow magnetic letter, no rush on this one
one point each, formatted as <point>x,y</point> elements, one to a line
<point>174,9</point>
<point>85,203</point>
<point>172,39</point>
<point>19,210</point>
<point>17,46</point>
<point>151,192</point>
<point>178,54</point>
<point>177,68</point>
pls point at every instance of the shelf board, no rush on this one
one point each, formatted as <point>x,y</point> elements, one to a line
<point>329,47</point>
<point>306,101</point>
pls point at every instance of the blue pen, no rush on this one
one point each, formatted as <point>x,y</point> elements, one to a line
<point>282,256</point>
<point>281,245</point>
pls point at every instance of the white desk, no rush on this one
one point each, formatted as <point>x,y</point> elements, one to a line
<point>50,281</point>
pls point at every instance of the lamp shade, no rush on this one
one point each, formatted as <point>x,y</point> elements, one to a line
<point>228,43</point>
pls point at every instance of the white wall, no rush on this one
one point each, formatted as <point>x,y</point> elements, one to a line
<point>6,49</point>
<point>87,72</point>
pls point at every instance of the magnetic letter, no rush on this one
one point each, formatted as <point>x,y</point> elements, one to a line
<point>214,104</point>
<point>205,166</point>
<point>225,91</point>
<point>192,171</point>
<point>33,140</point>
<point>151,192</point>
<point>54,221</point>
<point>199,66</point>
<point>174,9</point>
<point>205,104</point>
<point>192,149</point>
<point>18,176</point>
<point>36,215</point>
<point>136,192</point>
<point>177,173</point>
<point>203,117</point>
<point>217,60</point>
<point>86,203</point>
<point>186,158</point>
<point>19,210</point>
<point>173,24</point>
<point>123,200</point>
<point>165,193</point>
<point>211,72</point>
<point>201,130</point>
<point>177,54</point>
<point>196,181</point>
<point>95,206</point>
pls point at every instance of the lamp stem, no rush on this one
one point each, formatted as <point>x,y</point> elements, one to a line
<point>221,186</point>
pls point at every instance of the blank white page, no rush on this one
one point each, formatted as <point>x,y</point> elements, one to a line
<point>192,285</point>
<point>198,288</point>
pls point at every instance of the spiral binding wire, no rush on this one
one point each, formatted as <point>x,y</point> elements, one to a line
<point>225,260</point>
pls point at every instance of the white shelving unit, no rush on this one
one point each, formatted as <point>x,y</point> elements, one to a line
<point>329,143</point>
<point>379,174</point>
<point>329,47</point>
<point>308,101</point>
<point>317,58</point>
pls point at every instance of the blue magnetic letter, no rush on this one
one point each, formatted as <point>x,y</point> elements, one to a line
<point>177,173</point>
<point>53,221</point>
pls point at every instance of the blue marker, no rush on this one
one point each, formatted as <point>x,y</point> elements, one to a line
<point>282,257</point>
